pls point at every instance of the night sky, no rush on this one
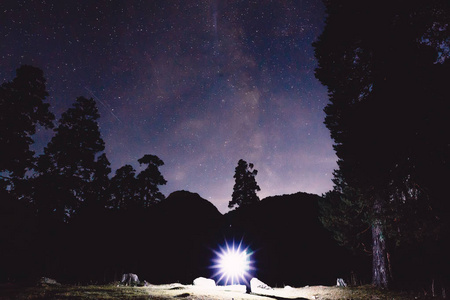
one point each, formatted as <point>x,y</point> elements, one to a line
<point>200,84</point>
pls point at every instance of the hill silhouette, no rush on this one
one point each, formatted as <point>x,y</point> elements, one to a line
<point>290,244</point>
<point>184,203</point>
<point>175,240</point>
<point>185,229</point>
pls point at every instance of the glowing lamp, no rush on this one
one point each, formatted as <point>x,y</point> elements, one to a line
<point>233,264</point>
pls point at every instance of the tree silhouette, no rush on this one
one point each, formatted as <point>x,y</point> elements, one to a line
<point>124,188</point>
<point>22,108</point>
<point>134,192</point>
<point>341,207</point>
<point>99,194</point>
<point>245,187</point>
<point>149,179</point>
<point>71,160</point>
<point>378,64</point>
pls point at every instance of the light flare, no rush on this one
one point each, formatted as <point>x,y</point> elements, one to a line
<point>233,264</point>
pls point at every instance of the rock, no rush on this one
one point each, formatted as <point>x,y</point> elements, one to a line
<point>204,282</point>
<point>47,281</point>
<point>340,282</point>
<point>257,285</point>
<point>129,279</point>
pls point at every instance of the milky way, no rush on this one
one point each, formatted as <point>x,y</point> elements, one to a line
<point>200,84</point>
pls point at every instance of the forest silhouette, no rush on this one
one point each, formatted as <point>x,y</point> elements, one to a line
<point>386,68</point>
<point>63,214</point>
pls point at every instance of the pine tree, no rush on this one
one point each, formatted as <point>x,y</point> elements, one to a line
<point>131,191</point>
<point>341,207</point>
<point>22,108</point>
<point>70,161</point>
<point>379,65</point>
<point>99,194</point>
<point>245,187</point>
<point>149,179</point>
<point>124,188</point>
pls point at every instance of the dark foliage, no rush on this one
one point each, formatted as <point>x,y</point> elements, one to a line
<point>149,179</point>
<point>22,109</point>
<point>71,164</point>
<point>385,65</point>
<point>123,188</point>
<point>133,192</point>
<point>173,241</point>
<point>245,186</point>
<point>70,221</point>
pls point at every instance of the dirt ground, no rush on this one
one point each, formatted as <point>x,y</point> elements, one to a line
<point>175,291</point>
<point>188,292</point>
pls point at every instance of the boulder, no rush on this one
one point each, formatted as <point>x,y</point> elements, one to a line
<point>129,279</point>
<point>257,286</point>
<point>204,282</point>
<point>45,281</point>
<point>340,282</point>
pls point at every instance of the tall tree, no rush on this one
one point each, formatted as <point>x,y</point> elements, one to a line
<point>376,60</point>
<point>245,187</point>
<point>124,188</point>
<point>22,108</point>
<point>71,159</point>
<point>99,191</point>
<point>131,191</point>
<point>149,179</point>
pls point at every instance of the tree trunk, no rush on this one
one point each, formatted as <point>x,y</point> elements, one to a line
<point>380,271</point>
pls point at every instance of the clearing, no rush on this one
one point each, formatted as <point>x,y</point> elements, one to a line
<point>188,292</point>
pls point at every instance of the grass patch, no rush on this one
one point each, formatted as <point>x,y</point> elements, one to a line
<point>66,292</point>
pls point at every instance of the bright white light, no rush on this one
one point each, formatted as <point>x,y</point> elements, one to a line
<point>233,264</point>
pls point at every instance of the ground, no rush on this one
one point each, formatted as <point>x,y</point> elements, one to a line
<point>189,292</point>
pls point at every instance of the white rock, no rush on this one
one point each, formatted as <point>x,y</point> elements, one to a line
<point>257,285</point>
<point>129,279</point>
<point>204,282</point>
<point>48,281</point>
<point>340,282</point>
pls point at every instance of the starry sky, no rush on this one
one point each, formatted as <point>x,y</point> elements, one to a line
<point>201,84</point>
